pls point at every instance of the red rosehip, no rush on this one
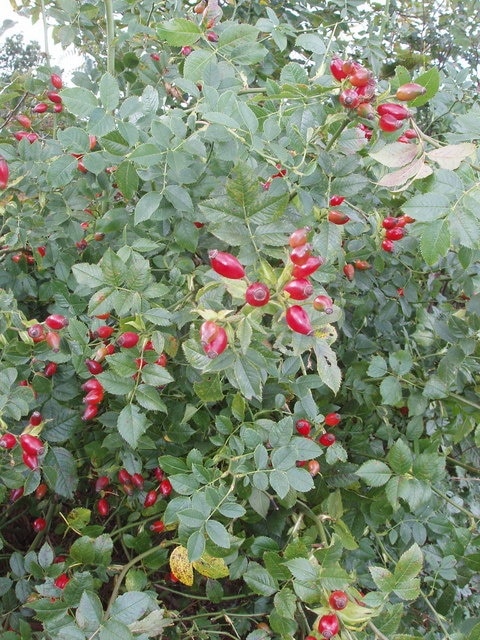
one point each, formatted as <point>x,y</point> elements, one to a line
<point>103,508</point>
<point>124,477</point>
<point>50,369</point>
<point>104,332</point>
<point>310,266</point>
<point>24,121</point>
<point>59,559</point>
<point>217,345</point>
<point>159,474</point>
<point>40,107</point>
<point>332,419</point>
<point>225,264</point>
<point>94,397</point>
<point>30,460</point>
<point>336,201</point>
<point>61,581</point>
<point>150,499</point>
<point>398,111</point>
<point>397,233</point>
<point>349,271</point>
<point>155,56</point>
<point>128,340</point>
<point>91,410</point>
<point>36,419</point>
<point>186,50</point>
<point>313,468</point>
<point>410,91</point>
<point>389,222</point>
<point>257,294</point>
<point>165,487</point>
<point>36,332</point>
<point>389,123</point>
<point>157,527</point>
<point>208,331</point>
<point>299,289</point>
<point>56,321</point>
<point>92,384</point>
<point>361,265</point>
<point>299,255</point>
<point>411,134</point>
<point>338,600</point>
<point>42,251</point>
<point>39,524</point>
<point>387,245</point>
<point>360,77</point>
<point>212,36</point>
<point>53,97</point>
<point>16,494</point>
<point>162,360</point>
<point>336,69</point>
<point>93,366</point>
<point>299,237</point>
<point>349,99</point>
<point>338,217</point>
<point>41,491</point>
<point>53,340</point>
<point>83,169</point>
<point>298,320</point>
<point>31,444</point>
<point>328,625</point>
<point>8,441</point>
<point>303,427</point>
<point>323,303</point>
<point>327,439</point>
<point>137,480</point>
<point>56,81</point>
<point>365,110</point>
<point>101,483</point>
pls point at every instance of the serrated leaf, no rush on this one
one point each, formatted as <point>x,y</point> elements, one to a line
<point>89,275</point>
<point>452,156</point>
<point>211,567</point>
<point>396,154</point>
<point>81,102</point>
<point>109,92</point>
<point>259,580</point>
<point>61,171</point>
<point>400,457</point>
<point>179,32</point>
<point>147,206</point>
<point>377,367</point>
<point>132,424</point>
<point>127,179</point>
<point>431,81</point>
<point>401,179</point>
<point>180,566</point>
<point>60,471</point>
<point>426,207</point>
<point>435,241</point>
<point>217,533</point>
<point>374,473</point>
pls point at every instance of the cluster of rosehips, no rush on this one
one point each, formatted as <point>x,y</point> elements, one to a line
<point>47,331</point>
<point>328,624</point>
<point>27,255</point>
<point>32,447</point>
<point>304,428</point>
<point>281,173</point>
<point>394,230</point>
<point>131,483</point>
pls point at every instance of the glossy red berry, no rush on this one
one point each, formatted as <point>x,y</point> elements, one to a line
<point>159,474</point>
<point>336,69</point>
<point>56,321</point>
<point>217,344</point>
<point>8,441</point>
<point>50,369</point>
<point>150,499</point>
<point>158,526</point>
<point>332,419</point>
<point>137,480</point>
<point>362,265</point>
<point>388,245</point>
<point>39,524</point>
<point>94,397</point>
<point>16,494</point>
<point>257,294</point>
<point>128,340</point>
<point>54,97</point>
<point>56,81</point>
<point>323,303</point>
<point>298,320</point>
<point>389,123</point>
<point>360,77</point>
<point>103,508</point>
<point>396,233</point>
<point>124,477</point>
<point>93,366</point>
<point>299,255</point>
<point>104,332</point>
<point>41,491</point>
<point>327,439</point>
<point>53,340</point>
<point>36,419</point>
<point>338,600</point>
<point>349,99</point>
<point>398,111</point>
<point>403,220</point>
<point>225,264</point>
<point>411,134</point>
<point>40,107</point>
<point>313,467</point>
<point>310,266</point>
<point>165,487</point>
<point>91,410</point>
<point>336,201</point>
<point>365,110</point>
<point>299,237</point>
<point>299,289</point>
<point>410,91</point>
<point>24,121</point>
<point>338,217</point>
<point>61,581</point>
<point>208,331</point>
<point>303,427</point>
<point>186,50</point>
<point>212,36</point>
<point>30,460</point>
<point>389,222</point>
<point>349,271</point>
<point>36,332</point>
<point>101,483</point>
<point>162,360</point>
<point>328,625</point>
<point>42,250</point>
<point>59,559</point>
<point>92,384</point>
<point>31,444</point>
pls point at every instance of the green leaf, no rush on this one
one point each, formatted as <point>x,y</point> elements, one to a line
<point>179,32</point>
<point>400,457</point>
<point>149,398</point>
<point>300,479</point>
<point>426,207</point>
<point>435,241</point>
<point>132,424</point>
<point>89,275</point>
<point>279,482</point>
<point>311,42</point>
<point>391,391</point>
<point>147,206</point>
<point>217,533</point>
<point>89,612</point>
<point>60,471</point>
<point>109,92</point>
<point>431,81</point>
<point>374,472</point>
<point>127,179</point>
<point>61,171</point>
<point>179,198</point>
<point>80,102</point>
<point>259,580</point>
<point>377,367</point>
<point>131,606</point>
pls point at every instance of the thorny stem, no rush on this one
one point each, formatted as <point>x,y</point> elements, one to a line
<point>110,36</point>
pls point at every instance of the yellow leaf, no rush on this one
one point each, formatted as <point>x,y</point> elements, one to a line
<point>181,568</point>
<point>211,567</point>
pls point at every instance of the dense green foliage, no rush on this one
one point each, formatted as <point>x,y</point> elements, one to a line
<point>223,131</point>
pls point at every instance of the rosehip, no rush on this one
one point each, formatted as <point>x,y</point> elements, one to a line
<point>162,360</point>
<point>41,491</point>
<point>8,441</point>
<point>257,294</point>
<point>217,345</point>
<point>137,480</point>
<point>310,266</point>
<point>40,107</point>
<point>103,508</point>
<point>387,245</point>
<point>39,524</point>
<point>365,110</point>
<point>31,444</point>
<point>104,332</point>
<point>328,625</point>
<point>159,474</point>
<point>128,340</point>
<point>93,397</point>
<point>313,467</point>
<point>31,461</point>
<point>410,134</point>
<point>303,427</point>
<point>323,303</point>
<point>91,410</point>
<point>349,271</point>
<point>327,439</point>
<point>36,332</point>
<point>298,237</point>
<point>53,97</point>
<point>332,419</point>
<point>53,340</point>
<point>101,483</point>
<point>299,289</point>
<point>61,581</point>
<point>56,321</point>
<point>16,494</point>
<point>398,111</point>
<point>338,217</point>
<point>50,369</point>
<point>42,251</point>
<point>395,234</point>
<point>298,320</point>
<point>361,265</point>
<point>150,499</point>
<point>186,50</point>
<point>225,264</point>
<point>361,77</point>
<point>349,99</point>
<point>93,366</point>
<point>389,123</point>
<point>410,91</point>
<point>389,222</point>
<point>56,81</point>
<point>336,201</point>
<point>165,487</point>
<point>157,527</point>
<point>338,600</point>
<point>92,384</point>
<point>336,69</point>
<point>24,121</point>
<point>299,255</point>
<point>208,331</point>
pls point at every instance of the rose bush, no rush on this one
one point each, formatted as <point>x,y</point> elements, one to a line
<point>239,323</point>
